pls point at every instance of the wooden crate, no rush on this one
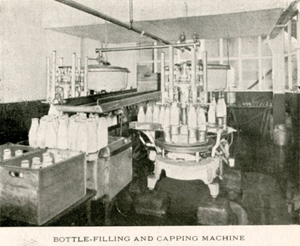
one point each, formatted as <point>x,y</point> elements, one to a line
<point>13,147</point>
<point>113,170</point>
<point>36,196</point>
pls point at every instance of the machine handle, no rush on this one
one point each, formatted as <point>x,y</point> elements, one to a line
<point>213,152</point>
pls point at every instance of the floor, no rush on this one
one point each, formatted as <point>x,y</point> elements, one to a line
<point>269,189</point>
<point>268,192</point>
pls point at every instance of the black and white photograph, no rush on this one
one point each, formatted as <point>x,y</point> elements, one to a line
<point>154,122</point>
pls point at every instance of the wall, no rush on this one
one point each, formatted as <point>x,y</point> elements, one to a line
<point>25,44</point>
<point>15,119</point>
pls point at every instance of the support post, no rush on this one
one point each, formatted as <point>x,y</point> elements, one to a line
<point>53,82</point>
<point>290,70</point>
<point>298,47</point>
<point>86,61</point>
<point>73,75</point>
<point>162,77</point>
<point>48,92</point>
<point>155,58</point>
<point>171,73</point>
<point>193,77</point>
<point>277,47</point>
<point>221,49</point>
<point>260,74</point>
<point>205,85</point>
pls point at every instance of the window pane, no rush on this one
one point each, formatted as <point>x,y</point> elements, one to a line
<point>250,75</point>
<point>231,47</point>
<point>265,48</point>
<point>250,46</point>
<point>212,47</point>
<point>267,82</point>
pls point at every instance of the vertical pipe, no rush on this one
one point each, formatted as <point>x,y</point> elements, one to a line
<point>205,87</point>
<point>193,77</point>
<point>61,61</point>
<point>48,92</point>
<point>73,75</point>
<point>86,60</point>
<point>53,75</point>
<point>162,77</point>
<point>260,64</point>
<point>155,58</point>
<point>171,73</point>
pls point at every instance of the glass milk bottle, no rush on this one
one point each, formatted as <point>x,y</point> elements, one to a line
<point>92,134</point>
<point>141,114</point>
<point>72,132</point>
<point>224,106</point>
<point>155,117</point>
<point>149,113</point>
<point>51,133</point>
<point>41,132</point>
<point>167,113</point>
<point>201,120</point>
<point>212,112</point>
<point>82,136</point>
<point>174,114</point>
<point>220,111</point>
<point>102,133</point>
<point>33,132</point>
<point>161,116</point>
<point>62,133</point>
<point>192,117</point>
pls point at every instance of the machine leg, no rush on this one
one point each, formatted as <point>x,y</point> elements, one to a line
<point>151,181</point>
<point>214,189</point>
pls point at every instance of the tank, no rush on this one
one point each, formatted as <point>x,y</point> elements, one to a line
<point>107,78</point>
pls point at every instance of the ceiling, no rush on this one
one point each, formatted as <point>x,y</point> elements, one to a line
<point>252,23</point>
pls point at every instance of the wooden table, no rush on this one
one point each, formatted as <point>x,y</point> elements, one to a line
<point>85,201</point>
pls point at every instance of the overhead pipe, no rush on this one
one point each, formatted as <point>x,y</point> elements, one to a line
<point>96,13</point>
<point>149,47</point>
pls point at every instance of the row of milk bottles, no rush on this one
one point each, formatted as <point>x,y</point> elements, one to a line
<point>77,132</point>
<point>196,118</point>
<point>170,116</point>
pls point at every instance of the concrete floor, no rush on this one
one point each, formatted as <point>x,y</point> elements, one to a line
<point>270,190</point>
<point>270,187</point>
